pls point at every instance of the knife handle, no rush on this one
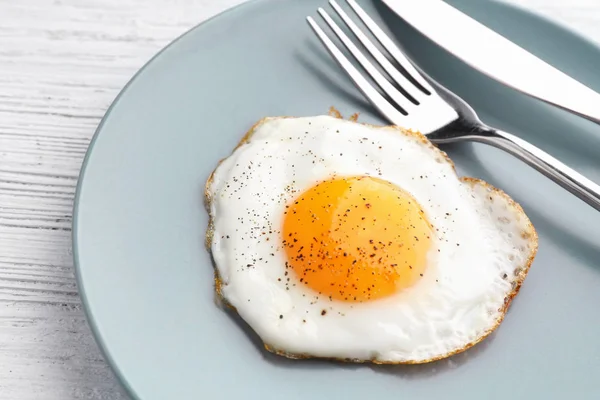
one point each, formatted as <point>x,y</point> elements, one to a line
<point>549,166</point>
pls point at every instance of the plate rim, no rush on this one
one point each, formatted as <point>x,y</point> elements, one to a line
<point>122,379</point>
<point>76,199</point>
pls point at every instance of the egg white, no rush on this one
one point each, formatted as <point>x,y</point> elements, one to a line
<point>483,246</point>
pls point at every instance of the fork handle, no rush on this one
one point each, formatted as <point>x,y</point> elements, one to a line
<point>560,173</point>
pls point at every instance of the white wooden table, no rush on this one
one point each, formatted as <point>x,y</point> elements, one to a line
<point>62,62</point>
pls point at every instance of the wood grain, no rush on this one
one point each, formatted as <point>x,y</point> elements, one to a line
<point>62,62</point>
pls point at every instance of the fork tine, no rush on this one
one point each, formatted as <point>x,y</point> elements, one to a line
<point>389,45</point>
<point>390,112</point>
<point>399,98</point>
<point>413,91</point>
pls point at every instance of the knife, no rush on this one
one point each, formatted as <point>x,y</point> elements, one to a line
<point>497,57</point>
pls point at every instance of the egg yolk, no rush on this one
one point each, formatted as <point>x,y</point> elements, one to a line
<point>356,239</point>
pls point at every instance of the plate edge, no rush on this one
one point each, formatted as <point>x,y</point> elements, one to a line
<point>76,200</point>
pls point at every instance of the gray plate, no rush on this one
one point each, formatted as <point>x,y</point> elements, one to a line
<point>146,279</point>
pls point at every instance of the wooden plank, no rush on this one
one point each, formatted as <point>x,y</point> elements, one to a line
<point>62,64</point>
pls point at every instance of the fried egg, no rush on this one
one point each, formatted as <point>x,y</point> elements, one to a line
<point>336,239</point>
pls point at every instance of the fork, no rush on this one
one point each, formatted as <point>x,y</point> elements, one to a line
<point>410,99</point>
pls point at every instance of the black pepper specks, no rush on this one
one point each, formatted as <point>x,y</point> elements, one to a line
<point>331,240</point>
<point>324,222</point>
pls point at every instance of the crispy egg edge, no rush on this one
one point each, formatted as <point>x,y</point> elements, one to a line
<point>520,272</point>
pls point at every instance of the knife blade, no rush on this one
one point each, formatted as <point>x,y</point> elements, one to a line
<point>496,56</point>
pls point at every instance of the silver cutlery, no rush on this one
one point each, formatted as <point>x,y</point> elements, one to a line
<point>409,100</point>
<point>494,55</point>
